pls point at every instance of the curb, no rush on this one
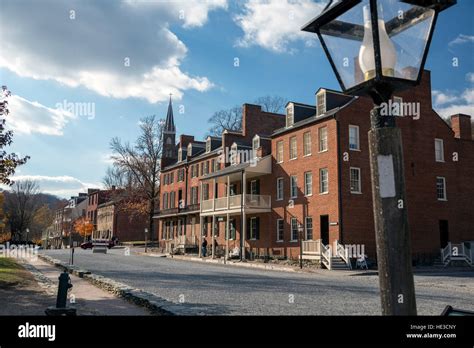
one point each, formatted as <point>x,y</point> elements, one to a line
<point>155,304</point>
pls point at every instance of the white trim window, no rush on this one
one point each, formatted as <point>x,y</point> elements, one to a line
<point>280,230</point>
<point>279,189</point>
<point>321,102</point>
<point>441,188</point>
<point>180,155</point>
<point>309,227</point>
<point>307,144</point>
<point>308,184</point>
<point>255,143</point>
<point>294,230</point>
<point>323,139</point>
<point>355,180</point>
<point>293,186</point>
<point>439,150</point>
<point>293,148</point>
<point>208,145</point>
<point>323,181</point>
<point>354,143</point>
<point>190,150</point>
<point>279,151</point>
<point>290,115</point>
<point>234,154</point>
<point>253,228</point>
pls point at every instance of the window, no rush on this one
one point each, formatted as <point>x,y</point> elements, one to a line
<point>323,139</point>
<point>279,193</point>
<point>308,184</point>
<point>321,102</point>
<point>165,200</point>
<point>307,144</point>
<point>354,138</point>
<point>205,192</point>
<point>254,187</point>
<point>293,186</point>
<point>213,165</point>
<point>172,199</point>
<point>216,165</point>
<point>233,233</point>
<point>294,230</point>
<point>290,115</point>
<point>253,228</point>
<point>193,171</point>
<point>190,150</point>
<point>279,152</point>
<point>206,168</point>
<point>233,154</point>
<point>293,149</point>
<point>309,228</point>
<point>208,144</point>
<point>194,195</point>
<point>280,230</point>
<point>255,143</point>
<point>441,188</point>
<point>180,155</point>
<point>355,180</point>
<point>171,177</point>
<point>323,181</point>
<point>439,150</point>
<point>181,175</point>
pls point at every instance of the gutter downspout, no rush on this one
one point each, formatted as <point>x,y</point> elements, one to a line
<point>339,179</point>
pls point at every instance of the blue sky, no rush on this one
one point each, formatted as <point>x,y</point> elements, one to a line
<point>51,55</point>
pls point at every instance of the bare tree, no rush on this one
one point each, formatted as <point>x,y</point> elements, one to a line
<point>116,177</point>
<point>142,161</point>
<point>274,104</point>
<point>231,119</point>
<point>22,204</point>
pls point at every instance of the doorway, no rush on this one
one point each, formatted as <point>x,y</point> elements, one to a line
<point>443,233</point>
<point>324,227</point>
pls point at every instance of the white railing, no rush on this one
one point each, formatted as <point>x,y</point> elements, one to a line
<point>343,253</point>
<point>326,255</point>
<point>235,202</point>
<point>456,252</point>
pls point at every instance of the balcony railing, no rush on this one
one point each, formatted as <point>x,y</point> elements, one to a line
<point>235,202</point>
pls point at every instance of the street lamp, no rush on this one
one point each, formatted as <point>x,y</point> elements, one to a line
<point>300,237</point>
<point>376,47</point>
<point>27,231</point>
<point>146,239</point>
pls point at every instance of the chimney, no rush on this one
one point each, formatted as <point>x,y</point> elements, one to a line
<point>461,126</point>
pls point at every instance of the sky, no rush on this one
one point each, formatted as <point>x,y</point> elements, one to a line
<point>84,71</point>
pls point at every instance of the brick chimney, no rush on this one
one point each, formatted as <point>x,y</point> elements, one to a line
<point>461,126</point>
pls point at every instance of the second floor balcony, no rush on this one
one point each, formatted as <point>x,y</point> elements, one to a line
<point>236,203</point>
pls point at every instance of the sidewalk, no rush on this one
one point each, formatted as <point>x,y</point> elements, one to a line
<point>89,299</point>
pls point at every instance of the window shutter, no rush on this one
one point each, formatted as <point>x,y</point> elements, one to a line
<point>257,233</point>
<point>248,230</point>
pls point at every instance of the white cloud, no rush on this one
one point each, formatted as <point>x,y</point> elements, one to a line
<point>92,50</point>
<point>61,186</point>
<point>450,103</point>
<point>441,98</point>
<point>470,77</point>
<point>32,117</point>
<point>462,39</point>
<point>275,24</point>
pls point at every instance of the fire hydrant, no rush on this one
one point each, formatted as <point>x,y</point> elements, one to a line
<point>64,286</point>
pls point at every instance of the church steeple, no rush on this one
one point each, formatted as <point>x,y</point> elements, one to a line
<point>169,149</point>
<point>169,124</point>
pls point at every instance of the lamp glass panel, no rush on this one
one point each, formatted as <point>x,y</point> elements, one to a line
<point>407,29</point>
<point>343,38</point>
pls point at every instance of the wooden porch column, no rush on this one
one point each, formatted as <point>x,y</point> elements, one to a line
<point>227,238</point>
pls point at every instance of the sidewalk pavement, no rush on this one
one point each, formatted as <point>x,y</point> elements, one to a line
<point>89,299</point>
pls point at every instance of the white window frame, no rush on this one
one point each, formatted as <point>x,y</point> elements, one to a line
<point>306,183</point>
<point>293,141</point>
<point>279,151</point>
<point>357,144</point>
<point>279,190</point>
<point>293,185</point>
<point>321,181</point>
<point>180,155</point>
<point>290,115</point>
<point>359,180</point>
<point>306,227</point>
<point>306,144</point>
<point>293,219</point>
<point>252,221</point>
<point>208,145</point>
<point>445,198</point>
<point>320,139</point>
<point>439,141</point>
<point>321,106</point>
<point>255,143</point>
<point>190,150</point>
<point>234,155</point>
<point>278,222</point>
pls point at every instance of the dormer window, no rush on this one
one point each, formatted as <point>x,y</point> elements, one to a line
<point>208,144</point>
<point>180,155</point>
<point>290,115</point>
<point>255,143</point>
<point>233,154</point>
<point>321,102</point>
<point>190,150</point>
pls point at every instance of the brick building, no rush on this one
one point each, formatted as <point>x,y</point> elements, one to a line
<point>309,171</point>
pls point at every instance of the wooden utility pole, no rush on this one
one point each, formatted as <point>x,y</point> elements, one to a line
<point>397,289</point>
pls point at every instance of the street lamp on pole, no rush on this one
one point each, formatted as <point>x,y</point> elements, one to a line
<point>146,239</point>
<point>300,236</point>
<point>376,47</point>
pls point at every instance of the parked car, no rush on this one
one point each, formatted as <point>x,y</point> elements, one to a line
<point>90,245</point>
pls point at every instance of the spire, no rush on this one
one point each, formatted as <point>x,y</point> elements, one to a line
<point>169,124</point>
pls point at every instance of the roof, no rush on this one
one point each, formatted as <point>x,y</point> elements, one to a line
<point>169,123</point>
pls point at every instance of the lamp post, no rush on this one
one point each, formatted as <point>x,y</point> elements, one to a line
<point>146,239</point>
<point>27,231</point>
<point>300,236</point>
<point>376,47</point>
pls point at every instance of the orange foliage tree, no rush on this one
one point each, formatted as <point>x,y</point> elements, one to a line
<point>84,227</point>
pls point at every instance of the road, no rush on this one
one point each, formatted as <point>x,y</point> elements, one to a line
<point>214,289</point>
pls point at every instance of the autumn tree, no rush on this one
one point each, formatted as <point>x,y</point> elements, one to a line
<point>8,161</point>
<point>84,227</point>
<point>140,165</point>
